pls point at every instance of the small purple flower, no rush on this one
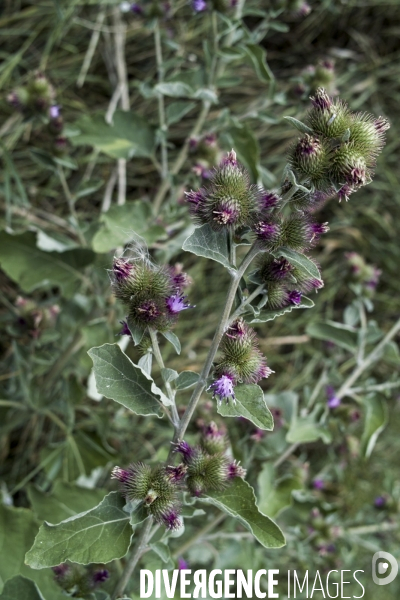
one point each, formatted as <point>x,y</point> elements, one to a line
<point>122,269</point>
<point>171,519</point>
<point>60,570</point>
<point>182,564</point>
<point>357,176</point>
<point>223,388</point>
<point>149,311</point>
<point>229,160</point>
<point>176,474</point>
<point>332,400</point>
<point>294,297</point>
<point>120,474</point>
<point>195,199</point>
<point>345,192</point>
<point>267,231</point>
<point>100,576</point>
<point>280,267</point>
<point>179,278</point>
<point>183,448</point>
<point>238,330</point>
<point>227,214</point>
<point>308,146</point>
<point>328,64</point>
<point>136,9</point>
<point>235,470</point>
<point>321,100</point>
<point>54,111</point>
<point>258,435</point>
<point>61,143</point>
<point>210,139</point>
<point>318,484</point>
<point>125,329</point>
<point>316,230</point>
<point>374,280</point>
<point>269,200</point>
<point>177,303</point>
<point>381,125</point>
<point>380,502</point>
<point>14,100</point>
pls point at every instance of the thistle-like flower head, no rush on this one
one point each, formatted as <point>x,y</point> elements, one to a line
<point>223,388</point>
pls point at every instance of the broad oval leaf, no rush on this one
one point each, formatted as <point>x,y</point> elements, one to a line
<point>186,380</point>
<point>99,535</point>
<point>342,335</point>
<point>118,378</point>
<point>127,137</point>
<point>250,403</point>
<point>32,268</point>
<point>208,243</point>
<point>20,588</point>
<point>173,339</point>
<point>238,501</point>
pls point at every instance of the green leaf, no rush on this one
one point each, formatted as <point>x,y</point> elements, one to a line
<point>270,315</point>
<point>123,224</point>
<point>376,419</point>
<point>173,339</point>
<point>118,378</point>
<point>161,550</point>
<point>19,588</point>
<point>186,380</point>
<point>275,495</point>
<point>177,110</point>
<point>208,243</point>
<point>258,57</point>
<point>99,535</point>
<point>175,89</point>
<point>137,332</point>
<point>307,428</point>
<point>169,375</point>
<point>32,268</point>
<point>299,125</point>
<point>298,260</point>
<point>342,335</point>
<point>238,501</point>
<point>17,532</point>
<point>129,136</point>
<point>250,403</point>
<point>64,501</point>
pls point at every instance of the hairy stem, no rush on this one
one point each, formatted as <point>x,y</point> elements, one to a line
<point>139,550</point>
<point>161,107</point>
<point>224,322</point>
<point>160,362</point>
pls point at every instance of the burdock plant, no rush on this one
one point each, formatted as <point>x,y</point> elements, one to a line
<point>335,155</point>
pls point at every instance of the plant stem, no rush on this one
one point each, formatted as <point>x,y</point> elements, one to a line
<point>139,550</point>
<point>170,391</point>
<point>224,322</point>
<point>161,107</point>
<point>71,203</point>
<point>247,301</point>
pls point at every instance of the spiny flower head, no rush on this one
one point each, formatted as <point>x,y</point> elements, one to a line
<point>273,269</point>
<point>213,440</point>
<point>268,232</point>
<point>207,472</point>
<point>156,487</point>
<point>299,231</point>
<point>308,157</point>
<point>241,361</point>
<point>176,474</point>
<point>230,201</point>
<point>333,401</point>
<point>368,134</point>
<point>329,118</point>
<point>149,292</point>
<point>180,280</point>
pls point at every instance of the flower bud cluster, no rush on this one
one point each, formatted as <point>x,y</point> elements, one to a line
<point>204,468</point>
<point>365,274</point>
<point>285,283</point>
<point>79,580</point>
<point>152,294</point>
<point>38,97</point>
<point>341,149</point>
<point>229,201</point>
<point>315,76</point>
<point>241,361</point>
<point>208,467</point>
<point>156,487</point>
